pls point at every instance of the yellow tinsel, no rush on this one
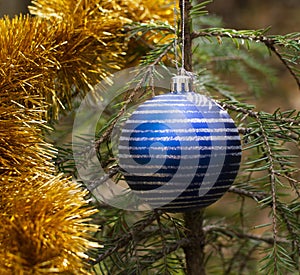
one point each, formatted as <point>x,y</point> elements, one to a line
<point>44,61</point>
<point>43,218</point>
<point>44,225</point>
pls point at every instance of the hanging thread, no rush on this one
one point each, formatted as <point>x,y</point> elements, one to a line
<point>182,70</point>
<point>182,38</point>
<point>176,39</point>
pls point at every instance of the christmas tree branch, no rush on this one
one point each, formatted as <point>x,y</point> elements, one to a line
<point>264,198</point>
<point>257,196</point>
<point>125,239</point>
<point>258,36</point>
<point>248,110</point>
<point>168,249</point>
<point>289,135</point>
<point>239,234</point>
<point>270,43</point>
<point>105,135</point>
<point>272,175</point>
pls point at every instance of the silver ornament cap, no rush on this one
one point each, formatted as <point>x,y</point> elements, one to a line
<point>181,84</point>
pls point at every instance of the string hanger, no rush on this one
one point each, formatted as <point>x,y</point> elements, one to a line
<point>180,71</point>
<point>183,81</point>
<point>175,35</point>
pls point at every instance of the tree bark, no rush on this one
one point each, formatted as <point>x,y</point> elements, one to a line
<point>194,252</point>
<point>187,34</point>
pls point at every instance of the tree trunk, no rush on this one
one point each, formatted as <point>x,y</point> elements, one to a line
<point>187,34</point>
<point>194,252</point>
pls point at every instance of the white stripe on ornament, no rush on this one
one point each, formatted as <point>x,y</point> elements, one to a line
<point>187,120</point>
<point>180,138</point>
<point>189,130</point>
<point>215,148</point>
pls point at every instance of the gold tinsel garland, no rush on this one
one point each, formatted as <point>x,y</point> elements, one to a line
<point>44,61</point>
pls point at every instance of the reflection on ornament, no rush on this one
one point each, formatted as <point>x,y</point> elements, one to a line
<point>179,151</point>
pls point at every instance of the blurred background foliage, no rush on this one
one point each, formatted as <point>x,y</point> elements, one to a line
<point>282,17</point>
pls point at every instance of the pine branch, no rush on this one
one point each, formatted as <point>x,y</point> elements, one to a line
<point>248,110</point>
<point>271,46</point>
<point>263,197</point>
<point>167,249</point>
<point>125,239</point>
<point>293,182</point>
<point>250,35</point>
<point>228,231</point>
<point>257,196</point>
<point>243,263</point>
<point>87,152</point>
<point>272,175</point>
<point>290,136</point>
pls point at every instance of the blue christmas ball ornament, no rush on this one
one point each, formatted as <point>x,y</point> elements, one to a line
<point>179,151</point>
